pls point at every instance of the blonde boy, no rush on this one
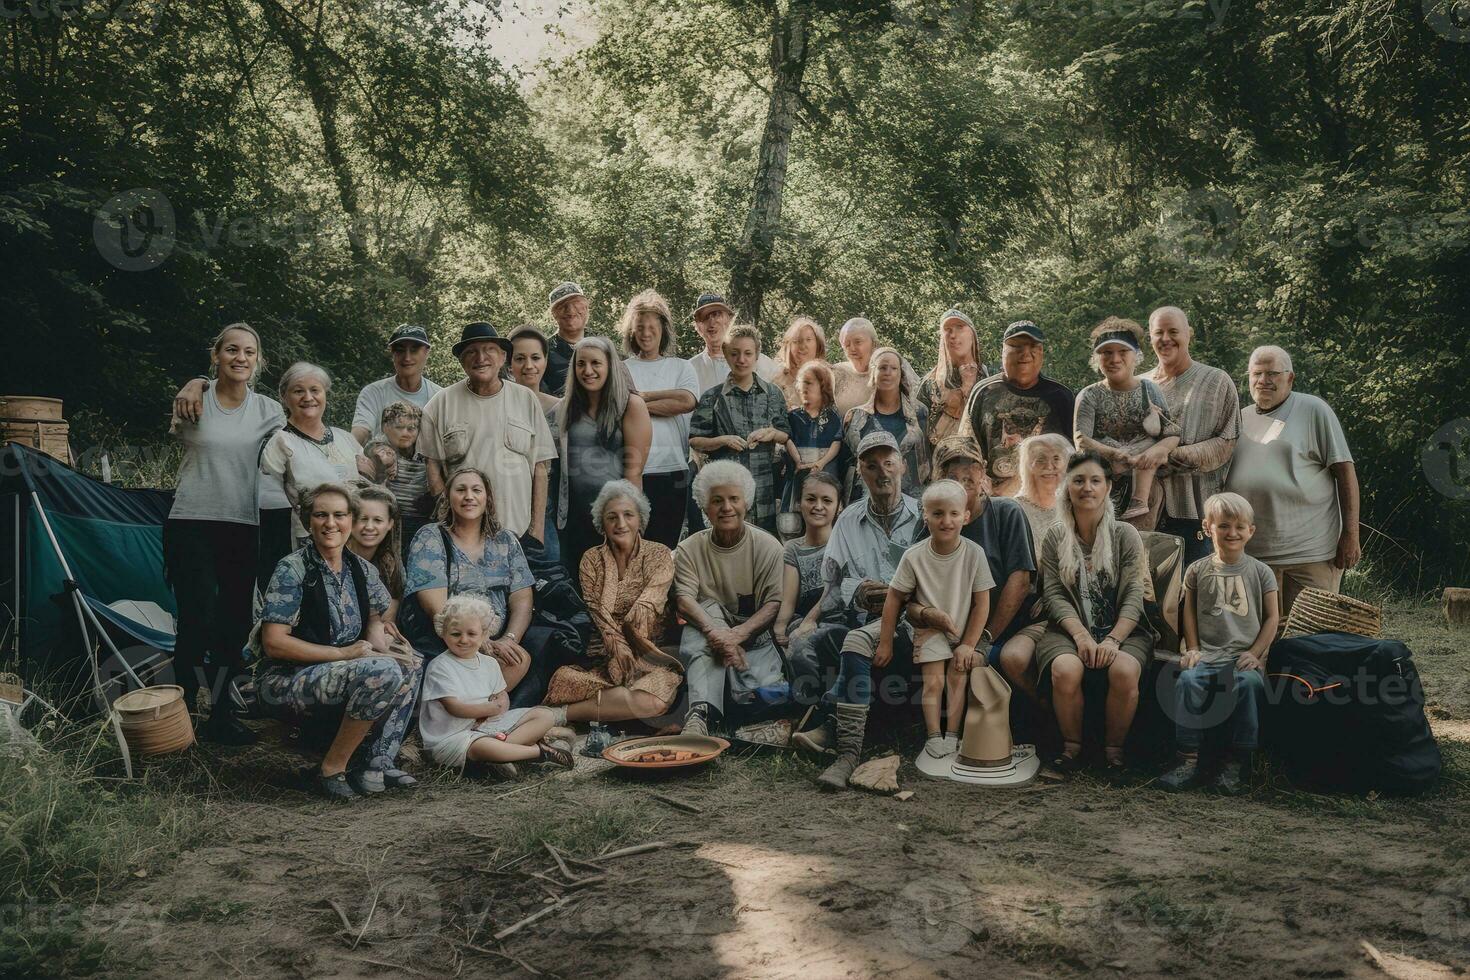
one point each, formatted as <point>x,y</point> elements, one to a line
<point>950,573</point>
<point>1230,619</point>
<point>466,714</point>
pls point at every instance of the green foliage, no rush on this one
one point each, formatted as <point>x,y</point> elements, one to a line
<point>1287,171</point>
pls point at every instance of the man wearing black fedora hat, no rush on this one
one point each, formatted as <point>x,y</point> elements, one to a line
<point>493,425</point>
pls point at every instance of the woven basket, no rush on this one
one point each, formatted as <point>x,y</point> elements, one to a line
<point>154,720</point>
<point>1316,611</point>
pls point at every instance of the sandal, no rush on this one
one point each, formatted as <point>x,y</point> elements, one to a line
<point>1066,764</point>
<point>552,754</point>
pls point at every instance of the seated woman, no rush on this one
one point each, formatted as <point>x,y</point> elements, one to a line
<point>727,581</point>
<point>322,636</point>
<point>801,578</point>
<point>376,540</point>
<point>466,552</point>
<point>1092,571</point>
<point>625,582</point>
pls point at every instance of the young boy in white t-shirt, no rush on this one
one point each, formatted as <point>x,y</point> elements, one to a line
<point>466,714</point>
<point>948,573</point>
<point>1230,619</point>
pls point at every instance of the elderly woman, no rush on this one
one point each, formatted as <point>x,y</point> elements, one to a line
<point>1092,571</point>
<point>891,408</point>
<point>851,386</point>
<point>528,360</point>
<point>1124,418</point>
<point>670,389</point>
<point>625,582</point>
<point>803,341</point>
<point>210,538</point>
<point>727,580</point>
<point>467,551</point>
<point>1043,459</point>
<point>324,645</point>
<point>307,451</point>
<point>946,390</point>
<point>605,434</point>
<point>1204,403</point>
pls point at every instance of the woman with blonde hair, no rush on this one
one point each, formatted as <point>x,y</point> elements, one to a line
<point>210,540</point>
<point>1043,459</point>
<point>891,407</point>
<point>606,433</point>
<point>669,387</point>
<point>946,389</point>
<point>859,339</point>
<point>802,343</point>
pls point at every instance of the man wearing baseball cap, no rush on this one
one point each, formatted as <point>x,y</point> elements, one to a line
<point>1020,401</point>
<point>712,316</point>
<point>409,348</point>
<point>862,555</point>
<point>569,308</point>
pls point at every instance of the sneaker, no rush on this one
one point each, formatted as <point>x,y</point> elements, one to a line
<point>367,781</point>
<point>1184,775</point>
<point>697,721</point>
<point>334,787</point>
<point>398,779</point>
<point>226,729</point>
<point>952,742</point>
<point>938,746</point>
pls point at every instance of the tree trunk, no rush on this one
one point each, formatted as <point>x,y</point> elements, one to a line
<point>750,268</point>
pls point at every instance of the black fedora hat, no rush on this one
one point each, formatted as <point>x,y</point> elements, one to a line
<point>478,331</point>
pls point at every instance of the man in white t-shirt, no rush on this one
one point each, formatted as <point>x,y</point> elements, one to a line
<point>670,388</point>
<point>409,348</point>
<point>493,425</point>
<point>712,316</point>
<point>1293,464</point>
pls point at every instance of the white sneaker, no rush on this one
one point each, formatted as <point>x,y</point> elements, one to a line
<point>937,746</point>
<point>952,742</point>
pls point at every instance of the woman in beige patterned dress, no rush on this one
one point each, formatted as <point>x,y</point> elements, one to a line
<point>625,582</point>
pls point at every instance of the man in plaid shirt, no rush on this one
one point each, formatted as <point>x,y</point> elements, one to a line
<point>744,419</point>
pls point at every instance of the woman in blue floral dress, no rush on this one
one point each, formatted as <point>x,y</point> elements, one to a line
<point>326,651</point>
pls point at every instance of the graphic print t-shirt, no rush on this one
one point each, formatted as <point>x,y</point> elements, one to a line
<point>1001,415</point>
<point>1228,605</point>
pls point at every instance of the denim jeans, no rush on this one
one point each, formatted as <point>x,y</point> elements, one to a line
<point>1207,695</point>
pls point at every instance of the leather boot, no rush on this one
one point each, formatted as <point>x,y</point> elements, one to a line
<point>821,740</point>
<point>852,722</point>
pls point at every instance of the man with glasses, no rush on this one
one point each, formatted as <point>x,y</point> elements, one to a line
<point>1293,464</point>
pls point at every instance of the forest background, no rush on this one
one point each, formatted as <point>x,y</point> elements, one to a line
<point>1288,172</point>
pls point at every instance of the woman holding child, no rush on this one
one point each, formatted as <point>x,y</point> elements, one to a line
<point>803,343</point>
<point>1092,573</point>
<point>325,648</point>
<point>625,583</point>
<point>467,552</point>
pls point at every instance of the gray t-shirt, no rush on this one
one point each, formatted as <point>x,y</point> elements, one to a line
<point>807,560</point>
<point>1227,602</point>
<point>1283,466</point>
<point>220,475</point>
<point>379,395</point>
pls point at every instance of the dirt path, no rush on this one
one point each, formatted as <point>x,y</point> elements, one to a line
<point>775,879</point>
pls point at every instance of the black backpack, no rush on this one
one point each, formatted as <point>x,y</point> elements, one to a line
<point>1346,713</point>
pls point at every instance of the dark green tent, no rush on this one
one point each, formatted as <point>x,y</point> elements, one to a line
<point>83,559</point>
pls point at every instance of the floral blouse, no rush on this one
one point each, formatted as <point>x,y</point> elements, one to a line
<point>284,594</point>
<point>500,571</point>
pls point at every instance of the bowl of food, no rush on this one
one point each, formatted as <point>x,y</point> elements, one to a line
<point>665,751</point>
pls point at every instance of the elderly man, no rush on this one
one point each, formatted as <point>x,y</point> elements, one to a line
<point>862,555</point>
<point>727,581</point>
<point>1292,463</point>
<point>1205,404</point>
<point>493,425</point>
<point>569,308</point>
<point>1020,401</point>
<point>712,316</point>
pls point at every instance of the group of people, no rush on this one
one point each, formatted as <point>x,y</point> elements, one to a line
<point>735,533</point>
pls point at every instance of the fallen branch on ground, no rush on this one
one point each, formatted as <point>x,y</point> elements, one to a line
<point>676,804</point>
<point>511,930</point>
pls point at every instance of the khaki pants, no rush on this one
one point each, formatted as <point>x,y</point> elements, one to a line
<point>706,673</point>
<point>1291,579</point>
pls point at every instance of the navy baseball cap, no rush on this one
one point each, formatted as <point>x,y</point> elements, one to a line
<point>1024,328</point>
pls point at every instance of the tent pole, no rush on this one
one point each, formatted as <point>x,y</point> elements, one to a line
<point>78,605</point>
<point>15,616</point>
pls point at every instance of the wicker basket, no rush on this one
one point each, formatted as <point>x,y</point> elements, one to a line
<point>1316,611</point>
<point>154,720</point>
